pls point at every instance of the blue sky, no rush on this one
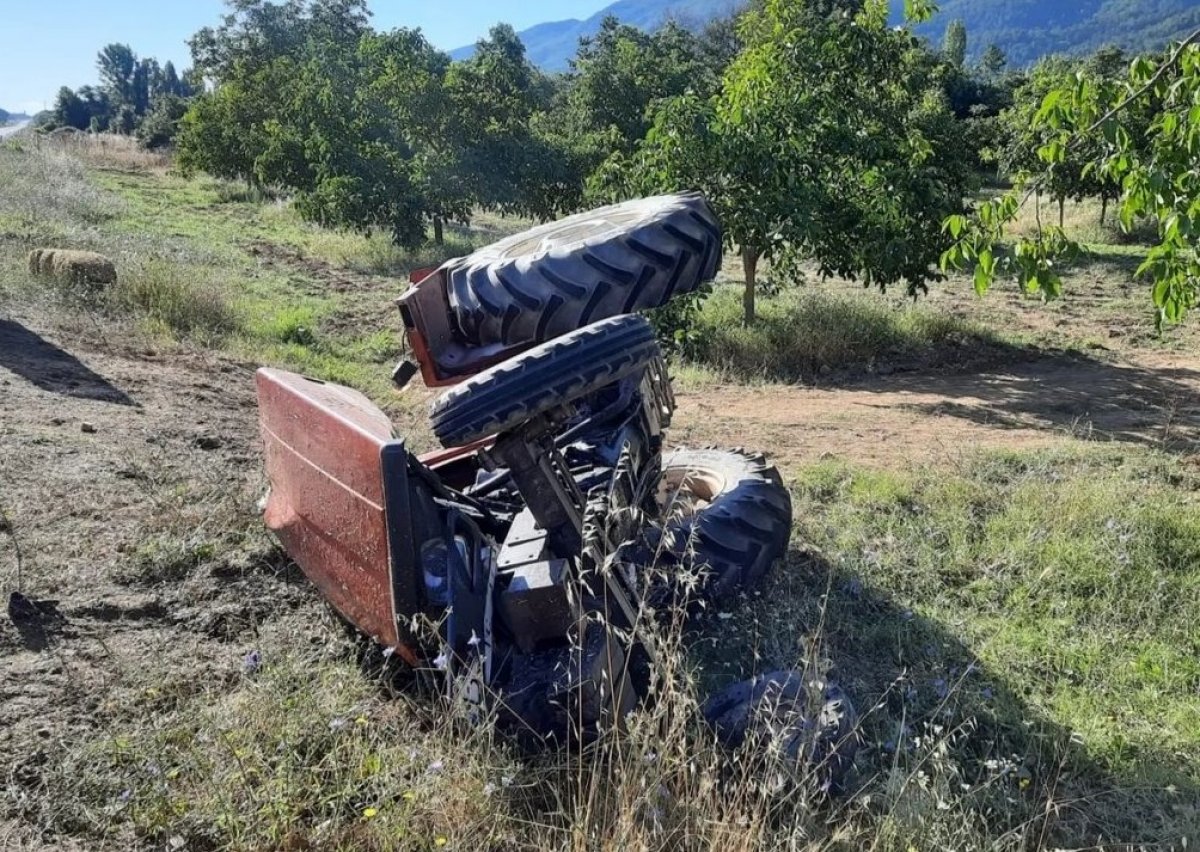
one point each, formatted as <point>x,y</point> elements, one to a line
<point>45,44</point>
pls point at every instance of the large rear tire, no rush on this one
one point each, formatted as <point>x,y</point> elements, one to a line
<point>555,278</point>
<point>544,378</point>
<point>727,513</point>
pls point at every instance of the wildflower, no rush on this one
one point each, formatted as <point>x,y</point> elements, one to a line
<point>489,788</point>
<point>408,795</point>
<point>474,640</point>
<point>440,841</point>
<point>440,661</point>
<point>252,662</point>
<point>337,723</point>
<point>387,653</point>
<point>361,721</point>
<point>370,813</point>
<point>436,767</point>
<point>506,781</point>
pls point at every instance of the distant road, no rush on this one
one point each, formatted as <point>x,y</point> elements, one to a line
<point>12,128</point>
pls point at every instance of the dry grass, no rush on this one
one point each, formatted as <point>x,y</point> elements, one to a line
<point>103,151</point>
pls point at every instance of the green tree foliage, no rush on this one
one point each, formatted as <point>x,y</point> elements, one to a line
<point>370,130</point>
<point>993,62</point>
<point>810,152</point>
<point>161,125</point>
<point>118,64</point>
<point>130,89</point>
<point>954,45</point>
<point>1141,133</point>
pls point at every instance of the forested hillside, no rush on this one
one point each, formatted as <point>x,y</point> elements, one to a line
<point>1025,30</point>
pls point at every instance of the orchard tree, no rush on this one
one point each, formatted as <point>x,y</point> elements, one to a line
<point>810,153</point>
<point>1143,134</point>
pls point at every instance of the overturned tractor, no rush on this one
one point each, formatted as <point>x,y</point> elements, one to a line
<point>533,543</point>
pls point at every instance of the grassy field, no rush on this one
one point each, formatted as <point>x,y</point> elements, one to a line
<point>1015,619</point>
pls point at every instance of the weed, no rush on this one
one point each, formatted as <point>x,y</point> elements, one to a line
<point>178,298</point>
<point>803,334</point>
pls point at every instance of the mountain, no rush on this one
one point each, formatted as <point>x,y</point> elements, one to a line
<point>1025,30</point>
<point>550,46</point>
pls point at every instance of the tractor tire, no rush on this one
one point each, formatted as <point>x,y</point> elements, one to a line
<point>811,723</point>
<point>727,513</point>
<point>550,280</point>
<point>543,378</point>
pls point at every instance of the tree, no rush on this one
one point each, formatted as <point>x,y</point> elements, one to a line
<point>117,64</point>
<point>810,153</point>
<point>1141,133</point>
<point>954,46</point>
<point>70,110</point>
<point>161,125</point>
<point>993,62</point>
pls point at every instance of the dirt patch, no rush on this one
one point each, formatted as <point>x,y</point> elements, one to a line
<point>119,467</point>
<point>1151,400</point>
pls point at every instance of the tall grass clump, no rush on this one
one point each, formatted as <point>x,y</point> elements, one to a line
<point>802,334</point>
<point>178,298</point>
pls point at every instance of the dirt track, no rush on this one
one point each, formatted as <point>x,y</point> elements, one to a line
<point>1154,401</point>
<point>104,447</point>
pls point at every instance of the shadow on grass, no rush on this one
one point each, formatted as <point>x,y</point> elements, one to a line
<point>53,369</point>
<point>940,730</point>
<point>1092,399</point>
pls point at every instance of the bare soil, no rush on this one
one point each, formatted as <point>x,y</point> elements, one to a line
<point>108,450</point>
<point>1148,399</point>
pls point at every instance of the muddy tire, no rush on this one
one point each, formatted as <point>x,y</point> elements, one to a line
<point>812,724</point>
<point>543,378</point>
<point>548,281</point>
<point>726,513</point>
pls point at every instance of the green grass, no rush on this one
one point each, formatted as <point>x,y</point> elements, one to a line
<point>803,334</point>
<point>1016,630</point>
<point>187,274</point>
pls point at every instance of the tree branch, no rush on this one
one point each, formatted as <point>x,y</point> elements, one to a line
<point>1036,185</point>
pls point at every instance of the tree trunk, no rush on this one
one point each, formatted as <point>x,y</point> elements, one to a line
<point>750,265</point>
<point>1062,204</point>
<point>439,236</point>
<point>1103,209</point>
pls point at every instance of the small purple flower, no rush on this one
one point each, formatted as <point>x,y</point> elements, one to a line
<point>987,693</point>
<point>252,662</point>
<point>125,796</point>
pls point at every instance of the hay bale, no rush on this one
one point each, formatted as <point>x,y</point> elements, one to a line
<point>74,267</point>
